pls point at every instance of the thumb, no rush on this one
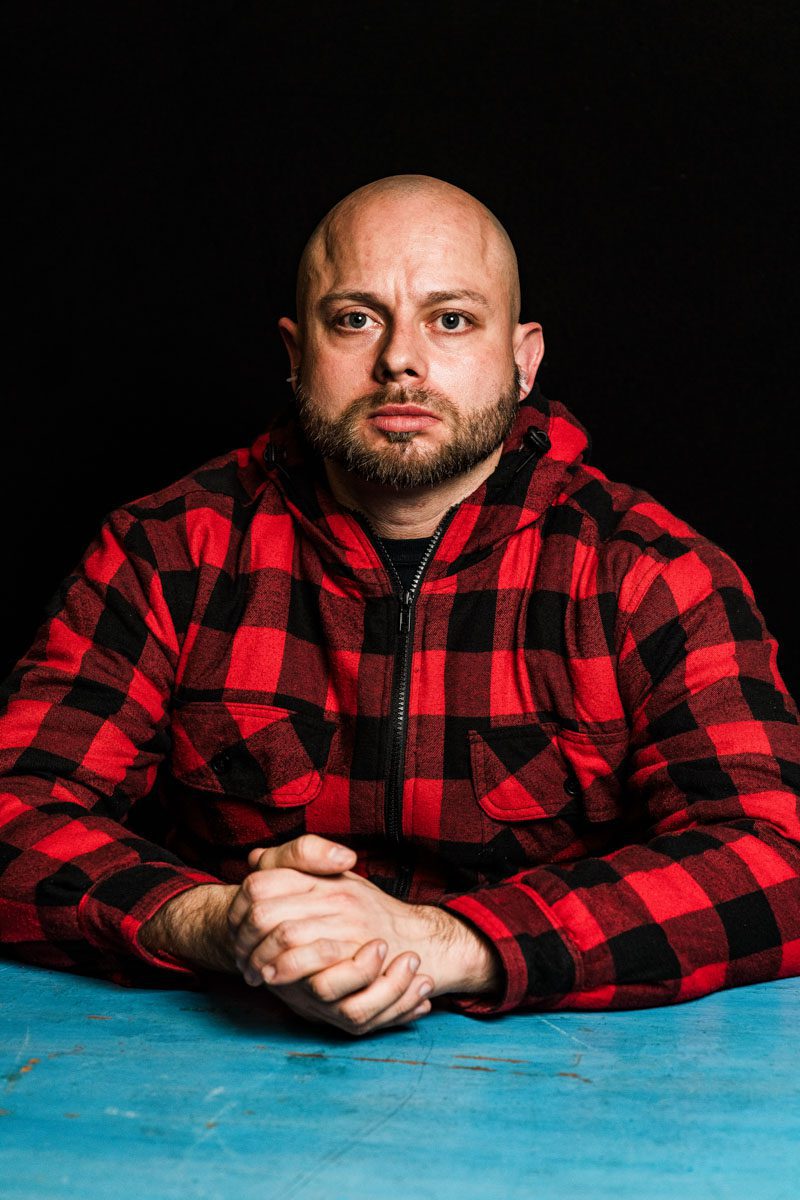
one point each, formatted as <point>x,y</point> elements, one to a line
<point>310,853</point>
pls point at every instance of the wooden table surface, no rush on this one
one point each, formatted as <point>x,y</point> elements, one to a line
<point>110,1092</point>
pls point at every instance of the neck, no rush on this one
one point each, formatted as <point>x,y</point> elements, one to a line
<point>413,512</point>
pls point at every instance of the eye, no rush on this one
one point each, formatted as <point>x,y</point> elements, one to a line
<point>353,321</point>
<point>453,322</point>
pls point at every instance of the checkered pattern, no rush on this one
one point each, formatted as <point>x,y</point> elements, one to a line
<point>601,769</point>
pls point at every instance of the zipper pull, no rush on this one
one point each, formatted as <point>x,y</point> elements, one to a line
<point>405,613</point>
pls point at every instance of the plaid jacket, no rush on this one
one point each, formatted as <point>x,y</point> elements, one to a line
<point>571,732</point>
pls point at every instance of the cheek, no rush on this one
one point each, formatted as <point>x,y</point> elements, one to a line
<point>479,377</point>
<point>336,375</point>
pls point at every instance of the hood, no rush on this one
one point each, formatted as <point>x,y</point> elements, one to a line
<point>539,455</point>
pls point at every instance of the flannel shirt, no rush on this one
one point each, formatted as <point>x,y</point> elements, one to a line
<point>572,733</point>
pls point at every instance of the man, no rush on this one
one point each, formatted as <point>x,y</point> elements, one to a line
<point>430,707</point>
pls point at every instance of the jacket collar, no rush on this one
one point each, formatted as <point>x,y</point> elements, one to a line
<point>540,454</point>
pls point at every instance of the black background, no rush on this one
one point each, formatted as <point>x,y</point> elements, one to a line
<point>168,160</point>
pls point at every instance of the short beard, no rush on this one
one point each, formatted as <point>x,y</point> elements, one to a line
<point>399,464</point>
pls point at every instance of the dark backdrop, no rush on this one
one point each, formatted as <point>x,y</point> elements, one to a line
<point>168,160</point>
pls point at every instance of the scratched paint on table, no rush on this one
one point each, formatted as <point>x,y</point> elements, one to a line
<point>14,1076</point>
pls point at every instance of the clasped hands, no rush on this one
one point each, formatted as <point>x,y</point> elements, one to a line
<point>338,949</point>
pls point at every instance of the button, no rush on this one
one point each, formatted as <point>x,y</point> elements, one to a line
<point>222,762</point>
<point>571,786</point>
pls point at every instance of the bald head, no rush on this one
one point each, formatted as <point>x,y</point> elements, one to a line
<point>398,206</point>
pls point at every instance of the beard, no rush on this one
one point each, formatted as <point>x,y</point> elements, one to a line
<point>402,461</point>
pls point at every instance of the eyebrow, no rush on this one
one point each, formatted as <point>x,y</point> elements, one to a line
<point>370,299</point>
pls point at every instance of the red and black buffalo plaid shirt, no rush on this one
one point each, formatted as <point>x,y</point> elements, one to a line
<point>571,732</point>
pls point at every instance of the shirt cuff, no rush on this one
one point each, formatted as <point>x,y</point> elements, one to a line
<point>113,911</point>
<point>539,963</point>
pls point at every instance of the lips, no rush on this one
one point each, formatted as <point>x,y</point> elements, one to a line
<point>403,418</point>
<point>404,410</point>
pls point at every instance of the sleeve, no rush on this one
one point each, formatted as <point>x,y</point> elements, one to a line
<point>84,728</point>
<point>709,897</point>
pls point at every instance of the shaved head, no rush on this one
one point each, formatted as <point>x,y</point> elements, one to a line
<point>408,358</point>
<point>431,199</point>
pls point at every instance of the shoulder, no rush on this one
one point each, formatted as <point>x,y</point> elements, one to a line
<point>629,542</point>
<point>201,516</point>
<point>222,482</point>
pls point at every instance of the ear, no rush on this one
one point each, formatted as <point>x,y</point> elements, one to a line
<point>290,333</point>
<point>528,343</point>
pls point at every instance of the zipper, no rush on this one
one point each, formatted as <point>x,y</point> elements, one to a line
<point>401,687</point>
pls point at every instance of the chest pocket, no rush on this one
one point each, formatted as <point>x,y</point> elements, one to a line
<point>531,772</point>
<point>254,752</point>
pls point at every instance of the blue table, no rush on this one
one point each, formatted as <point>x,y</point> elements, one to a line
<point>109,1092</point>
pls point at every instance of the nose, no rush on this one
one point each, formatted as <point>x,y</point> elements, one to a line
<point>401,355</point>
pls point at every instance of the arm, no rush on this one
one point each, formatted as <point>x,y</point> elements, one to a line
<point>84,730</point>
<point>710,897</point>
<point>83,733</point>
<point>332,979</point>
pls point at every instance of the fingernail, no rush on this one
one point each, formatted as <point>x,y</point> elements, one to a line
<point>268,974</point>
<point>421,1009</point>
<point>425,990</point>
<point>413,964</point>
<point>340,856</point>
<point>382,951</point>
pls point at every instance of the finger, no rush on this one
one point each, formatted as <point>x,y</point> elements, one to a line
<point>414,1001</point>
<point>265,885</point>
<point>312,853</point>
<point>392,996</point>
<point>272,926</point>
<point>421,1010</point>
<point>300,962</point>
<point>351,973</point>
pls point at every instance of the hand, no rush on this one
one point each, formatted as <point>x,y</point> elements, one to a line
<point>347,988</point>
<point>350,993</point>
<point>289,924</point>
<point>355,995</point>
<point>193,925</point>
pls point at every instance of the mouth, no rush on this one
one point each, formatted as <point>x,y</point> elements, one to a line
<point>403,418</point>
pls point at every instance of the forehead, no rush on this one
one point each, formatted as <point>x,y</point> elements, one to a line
<point>414,245</point>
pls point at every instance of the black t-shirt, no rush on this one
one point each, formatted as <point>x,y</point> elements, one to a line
<point>406,555</point>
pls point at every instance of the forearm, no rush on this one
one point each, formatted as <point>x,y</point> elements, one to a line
<point>73,879</point>
<point>193,927</point>
<point>646,925</point>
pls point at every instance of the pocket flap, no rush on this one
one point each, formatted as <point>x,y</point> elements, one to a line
<point>520,774</point>
<point>254,751</point>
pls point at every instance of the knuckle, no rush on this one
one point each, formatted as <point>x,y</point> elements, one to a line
<point>249,887</point>
<point>256,886</point>
<point>356,1014</point>
<point>259,915</point>
<point>322,989</point>
<point>283,854</point>
<point>285,934</point>
<point>285,964</point>
<point>329,950</point>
